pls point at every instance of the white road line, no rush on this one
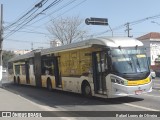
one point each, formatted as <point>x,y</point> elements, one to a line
<point>156,84</point>
<point>141,107</point>
<point>151,95</point>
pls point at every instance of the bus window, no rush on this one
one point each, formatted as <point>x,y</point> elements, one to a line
<point>10,68</point>
<point>102,62</point>
<point>17,69</point>
<point>47,67</point>
<point>23,69</point>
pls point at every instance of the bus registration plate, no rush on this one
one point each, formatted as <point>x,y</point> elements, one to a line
<point>137,92</point>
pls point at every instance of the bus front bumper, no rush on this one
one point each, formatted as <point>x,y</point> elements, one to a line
<point>119,90</point>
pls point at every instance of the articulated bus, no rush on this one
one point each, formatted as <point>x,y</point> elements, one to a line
<point>105,67</point>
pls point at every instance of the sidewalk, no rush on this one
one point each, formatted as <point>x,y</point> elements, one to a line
<point>16,107</point>
<point>14,102</point>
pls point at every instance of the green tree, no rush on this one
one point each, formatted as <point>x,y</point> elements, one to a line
<point>7,55</point>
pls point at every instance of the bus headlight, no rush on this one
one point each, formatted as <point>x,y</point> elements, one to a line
<point>118,80</point>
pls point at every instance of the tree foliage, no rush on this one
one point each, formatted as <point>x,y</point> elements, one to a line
<point>7,55</point>
<point>67,30</point>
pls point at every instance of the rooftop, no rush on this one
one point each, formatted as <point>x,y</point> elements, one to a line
<point>151,35</point>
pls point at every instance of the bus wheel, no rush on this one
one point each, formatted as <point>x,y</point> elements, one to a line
<point>49,85</point>
<point>14,80</point>
<point>86,89</point>
<point>18,80</point>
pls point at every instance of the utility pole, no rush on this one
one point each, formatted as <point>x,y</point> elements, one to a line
<point>32,46</point>
<point>1,41</point>
<point>128,29</point>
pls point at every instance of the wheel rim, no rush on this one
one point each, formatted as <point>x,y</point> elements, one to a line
<point>14,80</point>
<point>49,86</point>
<point>87,90</point>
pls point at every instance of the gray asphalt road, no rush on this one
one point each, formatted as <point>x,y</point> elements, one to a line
<point>76,102</point>
<point>156,83</point>
<point>27,98</point>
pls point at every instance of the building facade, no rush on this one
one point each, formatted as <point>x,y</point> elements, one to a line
<point>55,43</point>
<point>152,43</point>
<point>21,52</point>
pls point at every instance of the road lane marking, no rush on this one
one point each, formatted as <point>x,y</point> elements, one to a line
<point>141,107</point>
<point>156,83</point>
<point>151,95</point>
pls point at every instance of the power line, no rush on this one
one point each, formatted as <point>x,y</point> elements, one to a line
<point>62,7</point>
<point>36,6</point>
<point>145,19</point>
<point>25,41</point>
<point>130,23</point>
<point>28,26</point>
<point>52,4</point>
<point>19,19</point>
<point>34,32</point>
<point>61,13</point>
<point>101,33</point>
<point>69,10</point>
<point>55,18</point>
<point>49,6</point>
<point>28,17</point>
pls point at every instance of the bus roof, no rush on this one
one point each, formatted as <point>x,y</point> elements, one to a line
<point>104,41</point>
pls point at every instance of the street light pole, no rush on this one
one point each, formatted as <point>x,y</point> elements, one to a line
<point>1,40</point>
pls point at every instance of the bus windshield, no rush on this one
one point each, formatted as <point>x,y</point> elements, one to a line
<point>129,60</point>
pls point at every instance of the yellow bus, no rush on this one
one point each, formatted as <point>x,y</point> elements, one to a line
<point>105,67</point>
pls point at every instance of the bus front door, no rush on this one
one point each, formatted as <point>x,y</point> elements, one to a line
<point>98,72</point>
<point>57,73</point>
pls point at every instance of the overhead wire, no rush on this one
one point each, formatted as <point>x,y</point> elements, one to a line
<point>62,7</point>
<point>31,12</point>
<point>26,41</point>
<point>61,13</point>
<point>41,12</point>
<point>23,16</point>
<point>20,25</point>
<point>53,3</point>
<point>67,10</point>
<point>34,32</point>
<point>31,26</point>
<point>124,25</point>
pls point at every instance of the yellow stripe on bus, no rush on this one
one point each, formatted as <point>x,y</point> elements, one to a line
<point>139,82</point>
<point>141,56</point>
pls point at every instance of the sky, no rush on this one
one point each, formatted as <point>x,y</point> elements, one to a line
<point>143,16</point>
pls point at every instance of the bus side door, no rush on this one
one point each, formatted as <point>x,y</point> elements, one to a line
<point>99,72</point>
<point>57,72</point>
